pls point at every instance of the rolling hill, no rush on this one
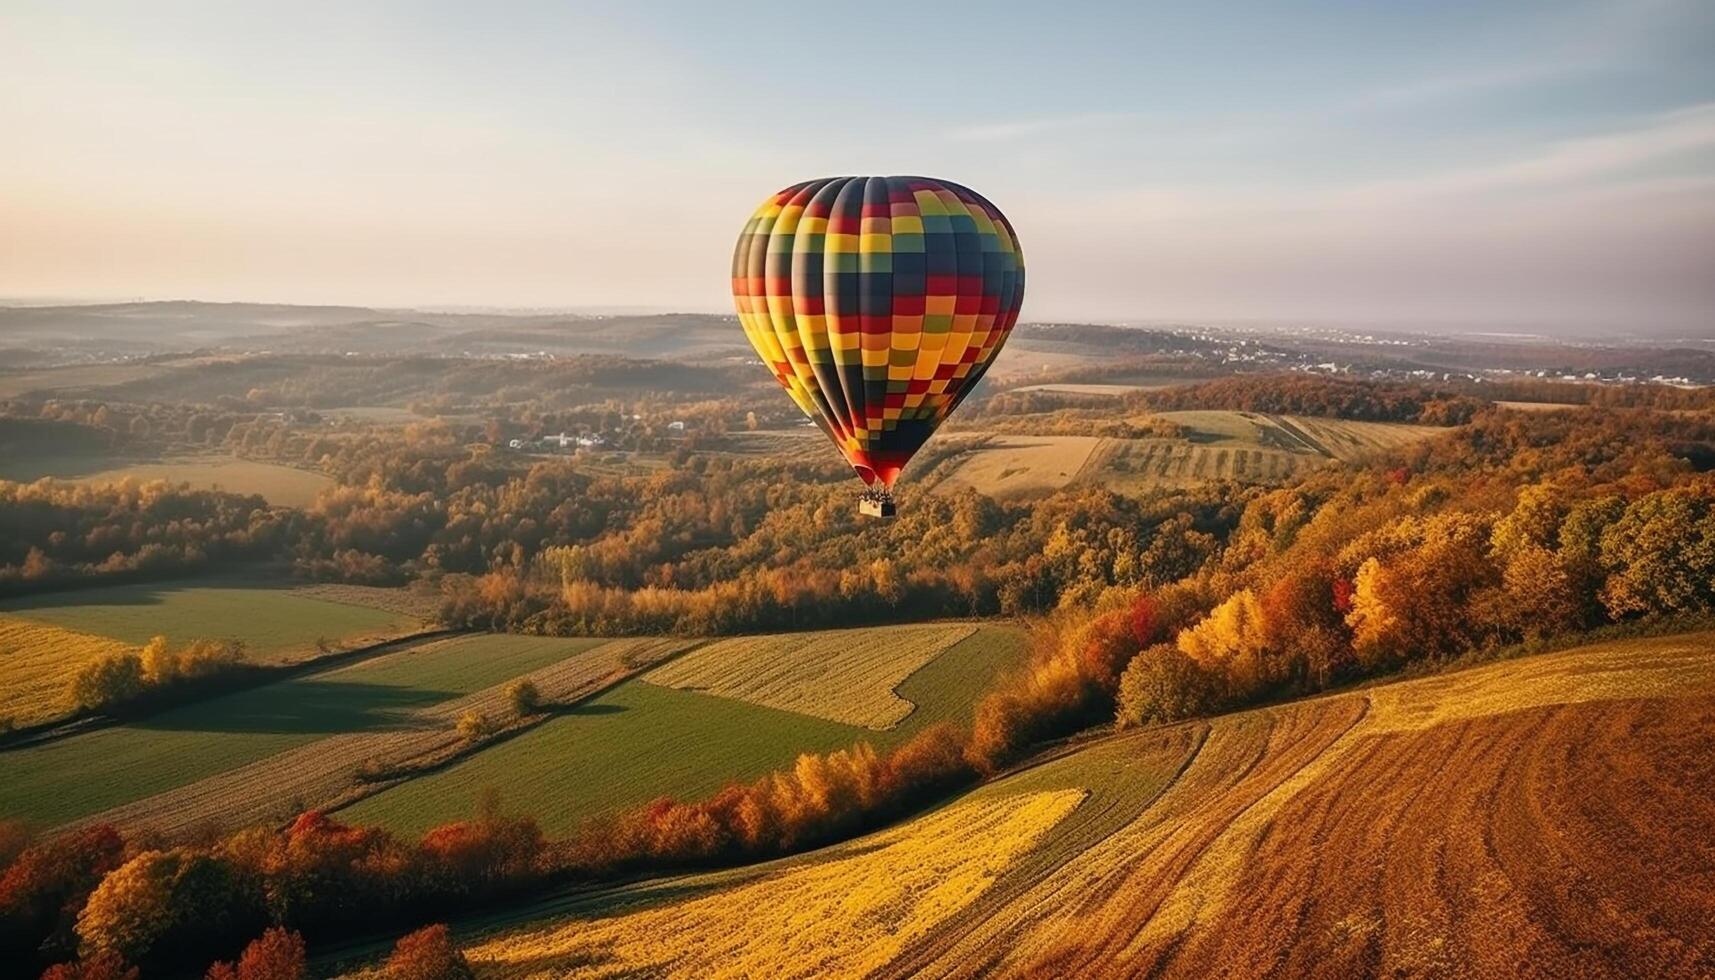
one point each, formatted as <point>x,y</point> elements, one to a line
<point>1543,816</point>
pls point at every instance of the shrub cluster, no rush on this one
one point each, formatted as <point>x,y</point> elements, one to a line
<point>820,799</point>
<point>118,680</point>
<point>118,902</point>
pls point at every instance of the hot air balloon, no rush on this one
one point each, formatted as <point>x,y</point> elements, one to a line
<point>878,303</point>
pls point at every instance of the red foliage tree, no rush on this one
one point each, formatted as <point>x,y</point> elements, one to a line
<point>45,886</point>
<point>427,954</point>
<point>277,954</point>
<point>101,966</point>
<point>477,856</point>
<point>1342,595</point>
<point>1145,620</point>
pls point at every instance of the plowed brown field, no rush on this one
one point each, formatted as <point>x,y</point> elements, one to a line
<point>1551,817</point>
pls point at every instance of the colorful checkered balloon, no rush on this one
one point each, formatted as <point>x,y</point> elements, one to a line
<point>878,303</point>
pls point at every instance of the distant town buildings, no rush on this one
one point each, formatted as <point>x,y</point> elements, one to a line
<point>559,440</point>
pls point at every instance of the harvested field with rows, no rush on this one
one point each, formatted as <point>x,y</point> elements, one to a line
<point>1134,465</point>
<point>1548,814</point>
<point>1248,447</point>
<point>1346,439</point>
<point>841,675</point>
<point>805,443</point>
<point>1343,439</point>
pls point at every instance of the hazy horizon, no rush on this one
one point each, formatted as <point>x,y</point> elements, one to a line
<point>1538,168</point>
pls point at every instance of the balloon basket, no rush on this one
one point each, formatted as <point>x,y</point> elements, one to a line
<point>878,504</point>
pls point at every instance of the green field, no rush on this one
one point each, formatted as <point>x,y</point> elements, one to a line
<point>16,383</point>
<point>85,774</point>
<point>273,622</point>
<point>946,688</point>
<point>640,741</point>
<point>624,748</point>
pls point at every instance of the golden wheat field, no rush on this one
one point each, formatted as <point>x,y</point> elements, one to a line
<point>845,914</point>
<point>842,675</point>
<point>284,486</point>
<point>1544,816</point>
<point>37,663</point>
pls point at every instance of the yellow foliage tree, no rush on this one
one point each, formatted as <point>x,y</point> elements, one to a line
<point>1534,521</point>
<point>131,907</point>
<point>160,664</point>
<point>1234,631</point>
<point>1377,626</point>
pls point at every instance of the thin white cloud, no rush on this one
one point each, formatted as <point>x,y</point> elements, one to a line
<point>1594,38</point>
<point>1567,162</point>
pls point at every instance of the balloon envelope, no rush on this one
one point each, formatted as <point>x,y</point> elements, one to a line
<point>878,303</point>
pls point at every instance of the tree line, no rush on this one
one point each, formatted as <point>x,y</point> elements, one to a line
<point>1329,397</point>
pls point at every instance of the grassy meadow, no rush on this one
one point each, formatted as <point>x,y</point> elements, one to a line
<point>612,752</point>
<point>41,380</point>
<point>1015,466</point>
<point>284,486</point>
<point>275,622</point>
<point>85,774</point>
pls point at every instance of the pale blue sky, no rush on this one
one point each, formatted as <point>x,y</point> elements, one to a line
<point>1480,163</point>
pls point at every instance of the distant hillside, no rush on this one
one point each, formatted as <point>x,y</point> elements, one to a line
<point>181,326</point>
